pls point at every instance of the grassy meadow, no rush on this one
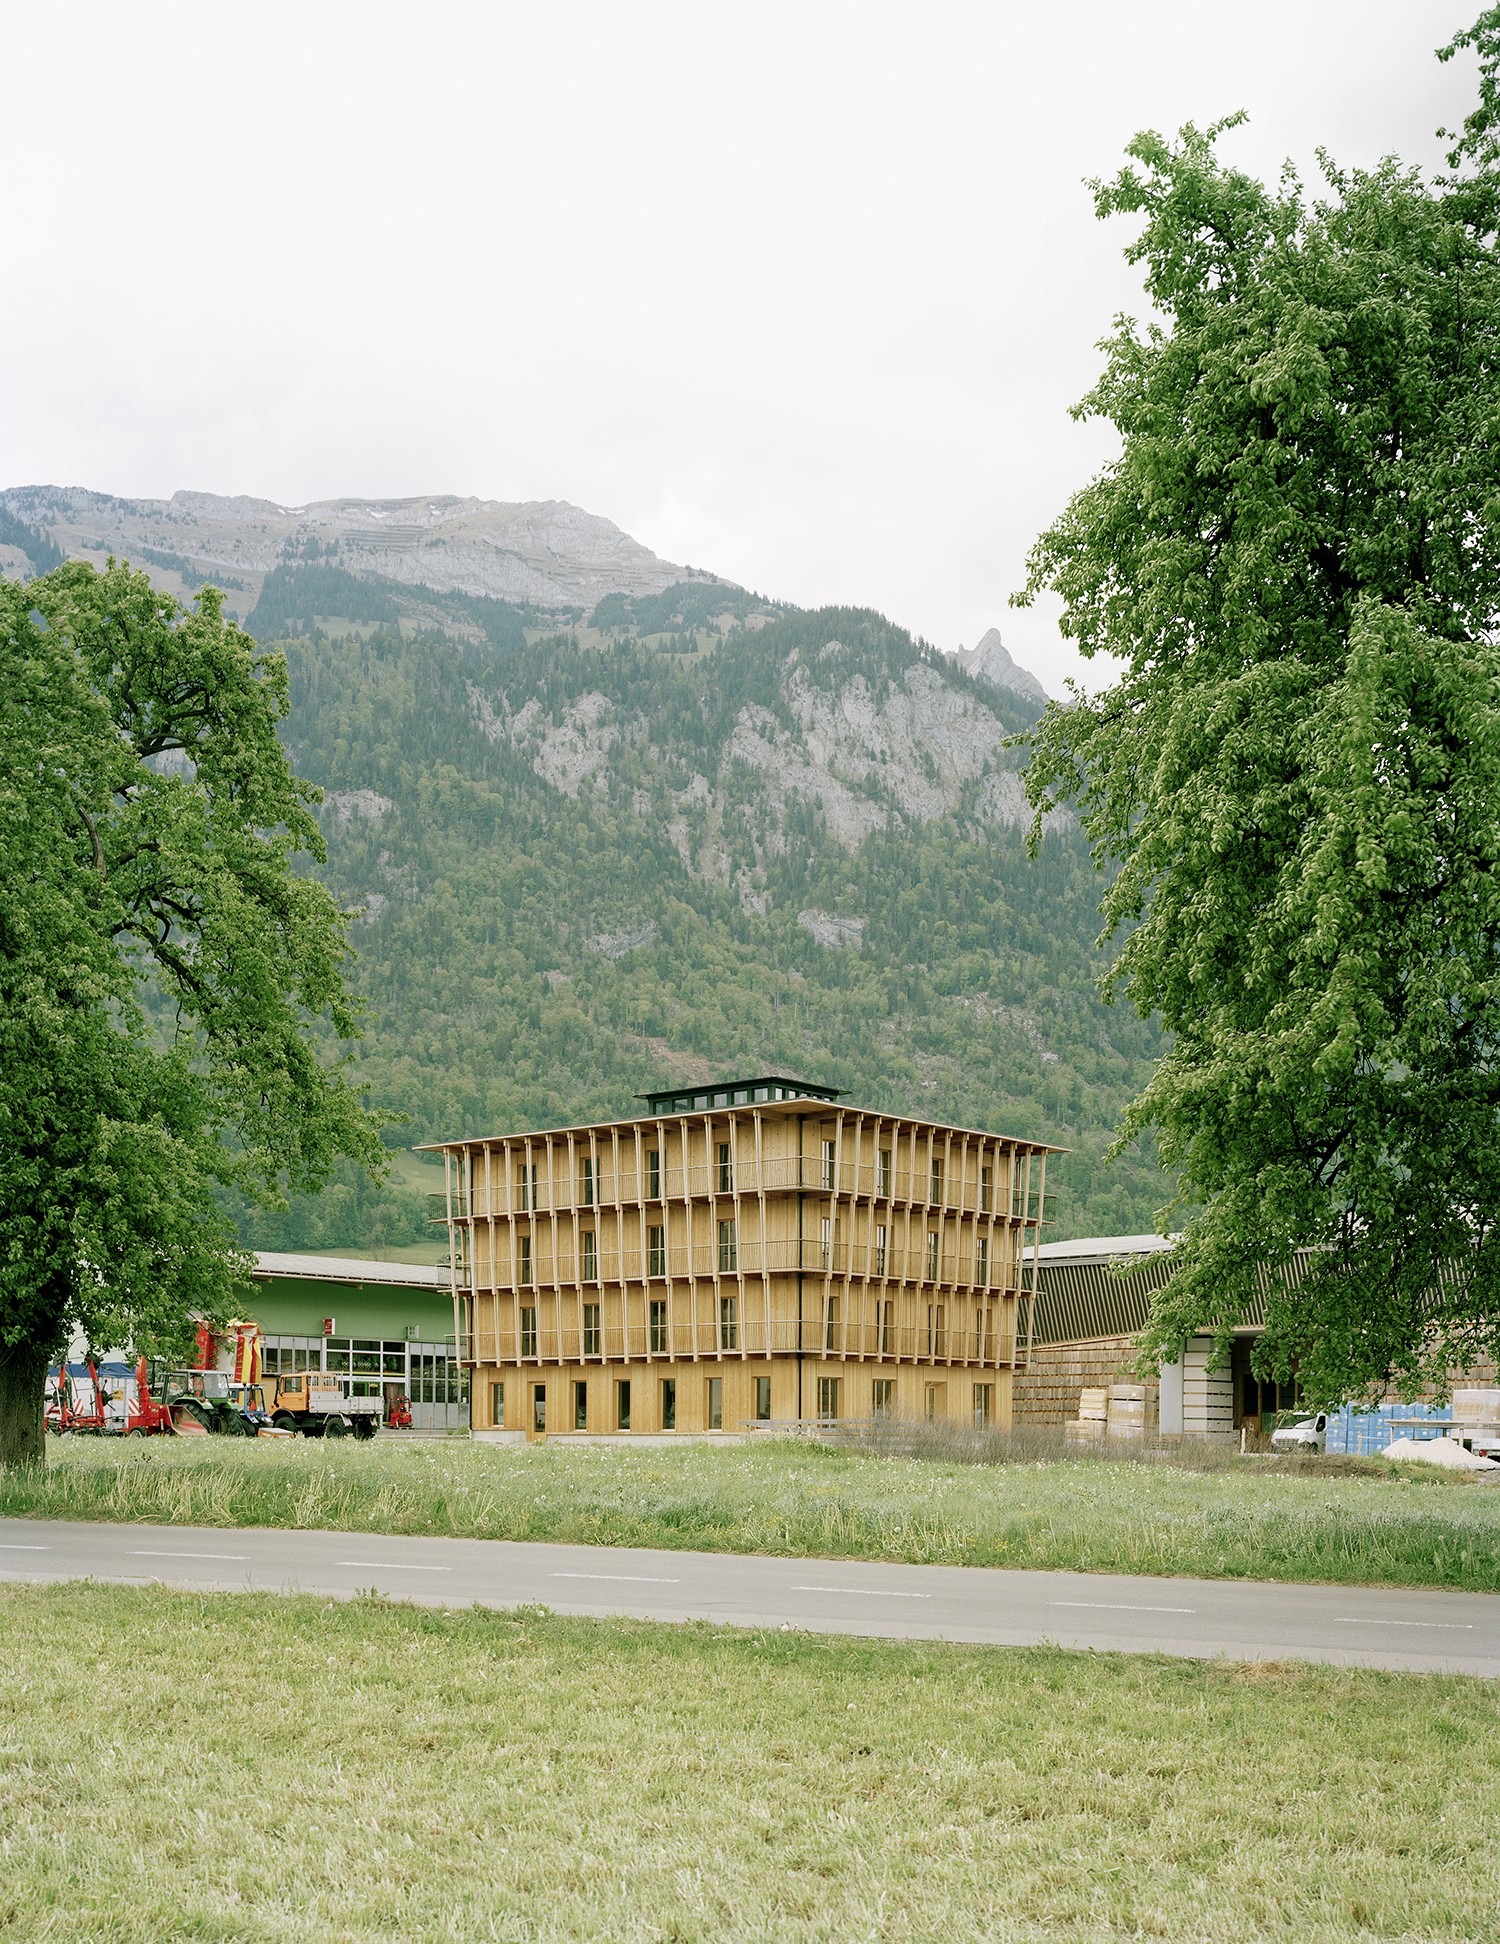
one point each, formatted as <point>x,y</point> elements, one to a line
<point>246,1766</point>
<point>1351,1523</point>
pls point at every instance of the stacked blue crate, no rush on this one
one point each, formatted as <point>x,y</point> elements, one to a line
<point>1362,1433</point>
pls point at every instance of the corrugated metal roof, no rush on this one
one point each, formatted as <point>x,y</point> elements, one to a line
<point>358,1269</point>
<point>1103,1248</point>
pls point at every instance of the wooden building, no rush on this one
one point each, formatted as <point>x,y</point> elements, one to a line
<point>748,1253</point>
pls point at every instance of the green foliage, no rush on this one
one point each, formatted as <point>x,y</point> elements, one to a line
<point>188,571</point>
<point>159,965</point>
<point>302,593</point>
<point>686,605</point>
<point>1296,558</point>
<point>44,554</point>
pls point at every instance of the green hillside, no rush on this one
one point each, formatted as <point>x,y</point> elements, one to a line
<point>698,836</point>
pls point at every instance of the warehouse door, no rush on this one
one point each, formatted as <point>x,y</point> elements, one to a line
<point>439,1389</point>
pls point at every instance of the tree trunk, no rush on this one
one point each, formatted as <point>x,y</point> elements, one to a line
<point>23,1382</point>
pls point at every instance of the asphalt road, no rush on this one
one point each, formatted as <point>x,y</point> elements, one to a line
<point>1203,1619</point>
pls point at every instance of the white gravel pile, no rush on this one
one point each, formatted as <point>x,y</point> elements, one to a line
<point>1439,1451</point>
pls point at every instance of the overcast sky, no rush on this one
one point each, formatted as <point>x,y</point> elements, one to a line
<point>798,293</point>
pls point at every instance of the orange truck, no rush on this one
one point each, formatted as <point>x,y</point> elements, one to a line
<point>322,1404</point>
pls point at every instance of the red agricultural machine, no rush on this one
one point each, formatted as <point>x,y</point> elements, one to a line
<point>107,1401</point>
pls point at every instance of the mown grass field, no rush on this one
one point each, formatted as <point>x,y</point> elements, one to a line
<point>177,1765</point>
<point>1372,1525</point>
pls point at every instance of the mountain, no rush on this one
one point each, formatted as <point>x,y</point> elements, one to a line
<point>545,553</point>
<point>990,660</point>
<point>681,831</point>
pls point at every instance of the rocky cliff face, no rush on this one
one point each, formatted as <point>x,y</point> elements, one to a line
<point>990,661</point>
<point>544,551</point>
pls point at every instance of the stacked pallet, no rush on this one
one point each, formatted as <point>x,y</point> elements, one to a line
<point>1047,1391</point>
<point>1132,1411</point>
<point>1092,1422</point>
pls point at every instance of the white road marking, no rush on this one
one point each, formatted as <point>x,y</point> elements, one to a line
<point>392,1566</point>
<point>8,1548</point>
<point>143,1554</point>
<point>639,1579</point>
<point>1447,1626</point>
<point>1119,1606</point>
<point>870,1592</point>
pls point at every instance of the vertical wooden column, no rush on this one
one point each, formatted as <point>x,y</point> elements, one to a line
<point>757,1122</point>
<point>736,1184</point>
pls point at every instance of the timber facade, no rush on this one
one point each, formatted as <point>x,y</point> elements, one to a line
<point>750,1253</point>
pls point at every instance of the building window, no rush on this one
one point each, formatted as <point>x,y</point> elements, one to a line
<point>885,1328</point>
<point>497,1406</point>
<point>726,1170</point>
<point>982,1262</point>
<point>539,1407</point>
<point>935,1181</point>
<point>658,1327</point>
<point>986,1178</point>
<point>830,1322</point>
<point>932,1256</point>
<point>984,1406</point>
<point>883,1172</point>
<point>729,1322</point>
<point>592,1334</point>
<point>935,1330</point>
<point>763,1400</point>
<point>828,1398</point>
<point>580,1407</point>
<point>825,1251</point>
<point>590,1243</point>
<point>878,1266</point>
<point>729,1255</point>
<point>525,1275</point>
<point>653,1174</point>
<point>526,1182</point>
<point>622,1404</point>
<point>930,1399</point>
<point>883,1396</point>
<point>828,1170</point>
<point>528,1331</point>
<point>669,1403</point>
<point>656,1251</point>
<point>716,1403</point>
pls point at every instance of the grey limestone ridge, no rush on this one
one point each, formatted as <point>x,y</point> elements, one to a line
<point>990,659</point>
<point>542,551</point>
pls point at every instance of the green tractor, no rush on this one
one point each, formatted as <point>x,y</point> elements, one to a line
<point>211,1401</point>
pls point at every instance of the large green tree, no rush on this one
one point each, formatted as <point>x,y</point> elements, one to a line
<point>171,990</point>
<point>1296,776</point>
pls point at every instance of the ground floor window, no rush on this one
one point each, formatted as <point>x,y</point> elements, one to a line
<point>539,1407</point>
<point>716,1403</point>
<point>497,1405</point>
<point>580,1407</point>
<point>669,1403</point>
<point>984,1406</point>
<point>763,1399</point>
<point>622,1404</point>
<point>883,1396</point>
<point>931,1401</point>
<point>828,1397</point>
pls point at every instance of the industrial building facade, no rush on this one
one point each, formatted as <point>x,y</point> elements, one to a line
<point>743,1254</point>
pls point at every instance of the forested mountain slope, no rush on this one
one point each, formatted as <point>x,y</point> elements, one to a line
<point>581,871</point>
<point>606,823</point>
